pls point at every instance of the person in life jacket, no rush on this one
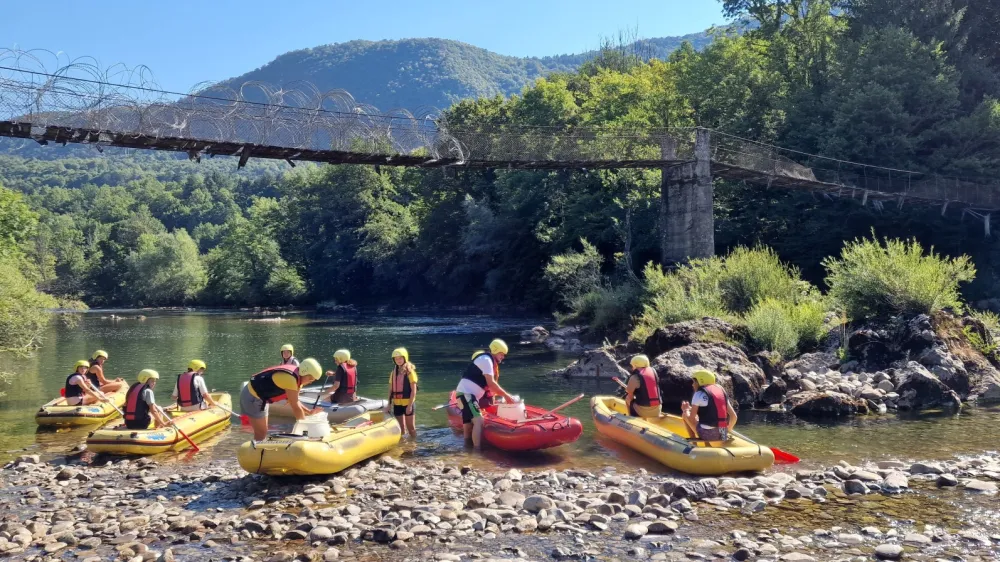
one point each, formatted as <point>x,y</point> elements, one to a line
<point>403,391</point>
<point>190,391</point>
<point>140,404</point>
<point>709,416</point>
<point>277,383</point>
<point>479,377</point>
<point>81,386</point>
<point>642,393</point>
<point>345,378</point>
<point>97,369</point>
<point>288,355</point>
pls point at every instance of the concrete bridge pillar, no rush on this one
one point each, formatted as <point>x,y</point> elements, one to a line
<point>687,226</point>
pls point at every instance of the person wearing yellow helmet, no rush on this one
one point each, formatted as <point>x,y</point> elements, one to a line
<point>345,378</point>
<point>81,386</point>
<point>288,355</point>
<point>140,403</point>
<point>97,369</point>
<point>478,386</point>
<point>642,393</point>
<point>710,415</point>
<point>278,383</point>
<point>403,391</point>
<point>190,392</point>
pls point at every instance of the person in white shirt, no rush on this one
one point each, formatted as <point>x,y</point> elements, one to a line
<point>190,391</point>
<point>480,381</point>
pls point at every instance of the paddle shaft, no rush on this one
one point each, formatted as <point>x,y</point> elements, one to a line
<point>553,410</point>
<point>174,423</point>
<point>104,397</point>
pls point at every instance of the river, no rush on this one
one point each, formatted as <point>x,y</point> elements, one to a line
<point>236,345</point>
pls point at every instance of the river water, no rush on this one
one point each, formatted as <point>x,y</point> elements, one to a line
<point>235,346</point>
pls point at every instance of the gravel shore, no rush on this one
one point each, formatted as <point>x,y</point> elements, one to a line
<point>139,510</point>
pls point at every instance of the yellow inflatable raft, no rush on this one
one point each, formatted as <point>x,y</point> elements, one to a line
<point>347,444</point>
<point>200,425</point>
<point>58,412</point>
<point>665,440</point>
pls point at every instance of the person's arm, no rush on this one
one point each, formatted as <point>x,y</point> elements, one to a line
<point>413,392</point>
<point>337,376</point>
<point>491,382</point>
<point>159,418</point>
<point>630,388</point>
<point>691,419</point>
<point>176,391</point>
<point>204,392</point>
<point>84,384</point>
<point>97,370</point>
<point>732,414</point>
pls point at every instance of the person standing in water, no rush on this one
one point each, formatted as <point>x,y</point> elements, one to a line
<point>274,384</point>
<point>345,378</point>
<point>288,355</point>
<point>403,391</point>
<point>478,378</point>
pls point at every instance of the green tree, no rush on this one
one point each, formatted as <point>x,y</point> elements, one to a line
<point>165,269</point>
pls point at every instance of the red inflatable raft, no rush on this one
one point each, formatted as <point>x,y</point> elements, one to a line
<point>538,431</point>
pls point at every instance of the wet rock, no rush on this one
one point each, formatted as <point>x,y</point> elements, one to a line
<point>617,498</point>
<point>925,468</point>
<point>850,539</point>
<point>384,536</point>
<point>888,552</point>
<point>635,531</point>
<point>320,534</point>
<point>596,363</point>
<point>828,404</point>
<point>662,527</point>
<point>637,497</point>
<point>538,334</point>
<point>742,380</point>
<point>980,487</point>
<point>167,556</point>
<point>947,480</point>
<point>855,487</point>
<point>66,473</point>
<point>919,389</point>
<point>774,393</point>
<point>742,554</point>
<point>534,504</point>
<point>686,333</point>
<point>295,535</point>
<point>895,481</point>
<point>694,491</point>
<point>916,539</point>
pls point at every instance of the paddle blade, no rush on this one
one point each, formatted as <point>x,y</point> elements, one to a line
<point>781,457</point>
<point>62,392</point>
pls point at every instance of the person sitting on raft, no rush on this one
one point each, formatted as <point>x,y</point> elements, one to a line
<point>288,355</point>
<point>345,378</point>
<point>642,393</point>
<point>97,369</point>
<point>81,386</point>
<point>478,378</point>
<point>190,391</point>
<point>710,415</point>
<point>274,384</point>
<point>140,404</point>
<point>403,391</point>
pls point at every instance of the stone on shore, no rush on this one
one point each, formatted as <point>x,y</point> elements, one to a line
<point>888,552</point>
<point>827,404</point>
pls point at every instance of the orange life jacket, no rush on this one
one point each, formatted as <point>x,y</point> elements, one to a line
<point>401,390</point>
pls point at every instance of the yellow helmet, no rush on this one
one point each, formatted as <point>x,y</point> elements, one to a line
<point>81,363</point>
<point>196,364</point>
<point>640,361</point>
<point>288,347</point>
<point>401,352</point>
<point>146,374</point>
<point>341,355</point>
<point>310,368</point>
<point>498,346</point>
<point>703,377</point>
<point>100,353</point>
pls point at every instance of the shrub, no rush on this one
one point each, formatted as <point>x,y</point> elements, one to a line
<point>808,319</point>
<point>985,343</point>
<point>605,309</point>
<point>23,314</point>
<point>874,280</point>
<point>785,327</point>
<point>751,275</point>
<point>690,292</point>
<point>575,274</point>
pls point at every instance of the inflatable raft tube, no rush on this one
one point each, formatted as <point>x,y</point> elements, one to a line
<point>347,444</point>
<point>665,440</point>
<point>537,432</point>
<point>200,425</point>
<point>57,412</point>
<point>336,413</point>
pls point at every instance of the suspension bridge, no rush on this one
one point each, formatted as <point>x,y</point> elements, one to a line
<point>83,103</point>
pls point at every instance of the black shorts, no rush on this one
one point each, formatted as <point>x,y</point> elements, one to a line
<point>470,408</point>
<point>400,411</point>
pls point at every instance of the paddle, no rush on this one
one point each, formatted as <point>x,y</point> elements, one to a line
<point>177,427</point>
<point>780,457</point>
<point>553,410</point>
<point>104,397</point>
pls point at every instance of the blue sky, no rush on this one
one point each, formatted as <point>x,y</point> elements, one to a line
<point>185,42</point>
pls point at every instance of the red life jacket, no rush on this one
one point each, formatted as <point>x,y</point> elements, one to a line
<point>346,390</point>
<point>648,394</point>
<point>401,389</point>
<point>188,393</point>
<point>716,414</point>
<point>136,410</point>
<point>263,385</point>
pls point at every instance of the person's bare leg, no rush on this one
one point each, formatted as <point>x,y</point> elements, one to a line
<point>402,424</point>
<point>477,433</point>
<point>411,425</point>
<point>467,429</point>
<point>259,426</point>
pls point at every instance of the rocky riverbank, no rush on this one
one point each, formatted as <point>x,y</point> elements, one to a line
<point>138,510</point>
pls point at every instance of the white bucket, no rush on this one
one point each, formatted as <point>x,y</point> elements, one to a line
<point>315,425</point>
<point>512,412</point>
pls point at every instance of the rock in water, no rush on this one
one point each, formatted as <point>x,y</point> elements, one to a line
<point>815,404</point>
<point>919,389</point>
<point>855,487</point>
<point>742,380</point>
<point>947,480</point>
<point>597,363</point>
<point>888,552</point>
<point>981,487</point>
<point>774,393</point>
<point>635,531</point>
<point>895,482</point>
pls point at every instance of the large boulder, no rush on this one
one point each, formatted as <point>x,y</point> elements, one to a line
<point>685,333</point>
<point>593,364</point>
<point>774,393</point>
<point>769,362</point>
<point>919,389</point>
<point>815,404</point>
<point>819,362</point>
<point>538,334</point>
<point>947,368</point>
<point>741,379</point>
